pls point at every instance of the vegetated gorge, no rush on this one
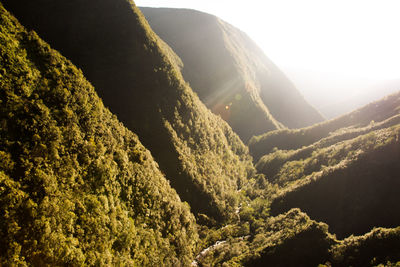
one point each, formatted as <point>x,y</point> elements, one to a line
<point>115,149</point>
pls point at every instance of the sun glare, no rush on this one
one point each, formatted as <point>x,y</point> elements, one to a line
<point>357,38</point>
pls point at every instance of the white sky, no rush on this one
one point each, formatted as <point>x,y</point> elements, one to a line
<point>351,37</point>
<point>330,49</point>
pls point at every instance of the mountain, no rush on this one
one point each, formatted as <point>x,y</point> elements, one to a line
<point>372,113</point>
<point>132,72</point>
<point>363,171</point>
<point>76,186</point>
<point>230,73</point>
<point>362,97</point>
<point>352,159</point>
<point>293,239</point>
<point>336,94</point>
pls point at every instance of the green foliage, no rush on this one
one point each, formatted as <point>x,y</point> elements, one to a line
<point>345,179</point>
<point>290,239</point>
<point>285,167</point>
<point>76,187</point>
<point>380,246</point>
<point>365,117</point>
<point>272,163</point>
<point>293,239</point>
<point>362,171</point>
<point>132,72</point>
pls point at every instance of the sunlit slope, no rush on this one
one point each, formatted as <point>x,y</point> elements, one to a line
<point>76,187</point>
<point>116,49</point>
<point>346,177</point>
<point>352,185</point>
<point>369,115</point>
<point>231,75</point>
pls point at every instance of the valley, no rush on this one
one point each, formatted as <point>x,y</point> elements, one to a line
<point>123,145</point>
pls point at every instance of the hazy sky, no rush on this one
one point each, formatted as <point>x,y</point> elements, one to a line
<point>356,38</point>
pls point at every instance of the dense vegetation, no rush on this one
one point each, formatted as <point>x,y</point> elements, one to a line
<point>130,69</point>
<point>293,239</point>
<point>343,172</point>
<point>362,171</point>
<point>76,187</point>
<point>380,247</point>
<point>231,75</point>
<point>374,112</point>
<point>325,167</point>
<point>290,239</point>
<point>323,152</point>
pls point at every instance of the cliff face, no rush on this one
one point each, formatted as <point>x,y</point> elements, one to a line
<point>230,73</point>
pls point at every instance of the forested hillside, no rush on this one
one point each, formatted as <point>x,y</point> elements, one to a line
<point>116,49</point>
<point>338,128</point>
<point>351,185</point>
<point>293,239</point>
<point>230,73</point>
<point>343,172</point>
<point>76,187</point>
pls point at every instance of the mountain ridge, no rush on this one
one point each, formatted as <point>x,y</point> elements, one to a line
<point>376,111</point>
<point>230,73</point>
<point>76,186</point>
<point>198,151</point>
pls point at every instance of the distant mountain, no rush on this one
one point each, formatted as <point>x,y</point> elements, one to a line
<point>335,95</point>
<point>364,96</point>
<point>76,187</point>
<point>133,72</point>
<point>230,73</point>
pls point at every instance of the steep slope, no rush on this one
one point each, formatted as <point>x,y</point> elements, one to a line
<point>293,239</point>
<point>352,185</point>
<point>118,52</point>
<point>372,113</point>
<point>272,164</point>
<point>76,187</point>
<point>343,172</point>
<point>380,247</point>
<point>230,73</point>
<point>290,239</point>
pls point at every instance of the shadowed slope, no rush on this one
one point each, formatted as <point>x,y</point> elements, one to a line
<point>230,73</point>
<point>344,172</point>
<point>76,187</point>
<point>116,49</point>
<point>351,185</point>
<point>293,239</point>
